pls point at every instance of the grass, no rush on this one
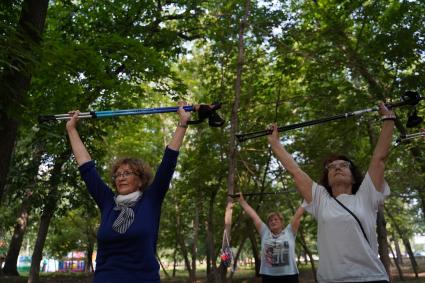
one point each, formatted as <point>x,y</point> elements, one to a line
<point>242,275</point>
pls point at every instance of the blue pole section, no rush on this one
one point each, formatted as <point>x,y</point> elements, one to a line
<point>145,111</point>
<point>114,113</point>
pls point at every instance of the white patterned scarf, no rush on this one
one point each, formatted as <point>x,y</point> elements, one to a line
<point>124,203</point>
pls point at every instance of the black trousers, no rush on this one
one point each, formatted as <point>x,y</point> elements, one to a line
<point>279,279</point>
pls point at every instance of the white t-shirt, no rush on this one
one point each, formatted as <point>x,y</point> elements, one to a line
<point>344,253</point>
<point>278,252</point>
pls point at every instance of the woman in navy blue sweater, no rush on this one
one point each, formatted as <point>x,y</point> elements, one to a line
<point>129,225</point>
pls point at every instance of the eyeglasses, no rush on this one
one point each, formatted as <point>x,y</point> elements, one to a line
<point>340,164</point>
<point>124,174</point>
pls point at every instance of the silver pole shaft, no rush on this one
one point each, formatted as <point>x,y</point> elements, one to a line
<point>413,136</point>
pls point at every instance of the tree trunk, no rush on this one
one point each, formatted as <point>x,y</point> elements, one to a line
<point>211,254</point>
<point>185,254</point>
<point>89,251</point>
<point>382,240</point>
<point>307,251</point>
<point>255,252</point>
<point>174,261</point>
<point>232,135</point>
<point>418,156</point>
<point>10,265</point>
<point>406,242</point>
<point>39,245</point>
<point>397,249</point>
<point>421,194</point>
<point>400,271</point>
<point>162,267</point>
<point>15,83</point>
<point>195,241</point>
<point>302,239</point>
<point>238,253</point>
<point>183,248</point>
<point>46,217</point>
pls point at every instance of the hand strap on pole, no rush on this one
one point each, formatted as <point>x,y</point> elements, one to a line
<point>206,111</point>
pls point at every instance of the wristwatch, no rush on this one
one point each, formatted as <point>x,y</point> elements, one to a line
<point>388,117</point>
<point>181,125</point>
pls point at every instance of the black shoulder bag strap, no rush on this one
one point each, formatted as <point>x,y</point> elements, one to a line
<point>355,217</point>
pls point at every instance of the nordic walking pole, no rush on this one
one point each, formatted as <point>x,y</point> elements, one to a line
<point>410,137</point>
<point>205,111</point>
<point>237,195</point>
<point>410,98</point>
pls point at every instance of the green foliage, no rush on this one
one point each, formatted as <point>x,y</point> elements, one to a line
<point>304,60</point>
<point>72,232</point>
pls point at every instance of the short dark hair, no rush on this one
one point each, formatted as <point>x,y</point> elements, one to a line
<point>140,167</point>
<point>357,175</point>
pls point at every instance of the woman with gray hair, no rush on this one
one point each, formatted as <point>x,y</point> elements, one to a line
<point>278,256</point>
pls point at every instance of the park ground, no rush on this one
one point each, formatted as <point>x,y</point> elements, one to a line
<point>241,276</point>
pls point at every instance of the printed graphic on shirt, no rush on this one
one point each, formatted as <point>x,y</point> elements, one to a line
<point>276,253</point>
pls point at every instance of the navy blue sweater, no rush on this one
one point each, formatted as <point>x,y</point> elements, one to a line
<point>129,257</point>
